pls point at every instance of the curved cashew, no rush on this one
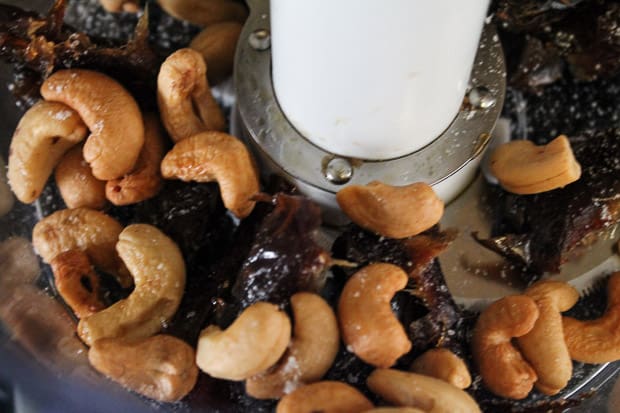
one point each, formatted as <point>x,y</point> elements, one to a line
<point>324,396</point>
<point>115,6</point>
<point>217,44</point>
<point>78,187</point>
<point>158,269</point>
<point>216,156</point>
<point>391,211</point>
<point>522,167</point>
<point>252,344</point>
<point>145,180</point>
<point>184,97</point>
<point>109,111</point>
<point>443,364</point>
<point>597,341</point>
<point>502,367</point>
<point>161,367</point>
<point>310,354</point>
<point>415,390</point>
<point>205,12</point>
<point>544,346</point>
<point>369,327</point>
<point>42,137</point>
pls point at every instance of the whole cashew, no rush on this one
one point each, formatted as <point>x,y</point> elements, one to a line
<point>544,346</point>
<point>216,156</point>
<point>115,6</point>
<point>391,211</point>
<point>109,111</point>
<point>252,344</point>
<point>324,396</point>
<point>501,365</point>
<point>205,12</point>
<point>310,354</point>
<point>76,183</point>
<point>597,341</point>
<point>45,132</point>
<point>161,367</point>
<point>185,101</point>
<point>369,327</point>
<point>443,364</point>
<point>158,269</point>
<point>415,390</point>
<point>217,44</point>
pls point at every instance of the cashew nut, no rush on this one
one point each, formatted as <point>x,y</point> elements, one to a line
<point>324,396</point>
<point>369,327</point>
<point>415,390</point>
<point>78,187</point>
<point>216,156</point>
<point>217,44</point>
<point>205,12</point>
<point>109,111</point>
<point>522,167</point>
<point>145,180</point>
<point>158,269</point>
<point>161,367</point>
<point>310,354</point>
<point>597,341</point>
<point>443,364</point>
<point>544,346</point>
<point>42,137</point>
<point>185,101</point>
<point>391,211</point>
<point>115,6</point>
<point>501,365</point>
<point>252,344</point>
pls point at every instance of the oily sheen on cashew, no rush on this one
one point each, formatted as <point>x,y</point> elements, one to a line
<point>544,346</point>
<point>368,325</point>
<point>310,353</point>
<point>391,211</point>
<point>158,270</point>
<point>324,396</point>
<point>109,111</point>
<point>205,12</point>
<point>501,365</point>
<point>216,156</point>
<point>253,343</point>
<point>217,44</point>
<point>443,364</point>
<point>43,135</point>
<point>76,183</point>
<point>429,394</point>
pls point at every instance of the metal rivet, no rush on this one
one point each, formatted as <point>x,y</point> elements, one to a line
<point>260,39</point>
<point>481,98</point>
<point>338,171</point>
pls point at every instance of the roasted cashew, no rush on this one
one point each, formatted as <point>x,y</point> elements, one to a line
<point>161,367</point>
<point>391,211</point>
<point>324,396</point>
<point>217,44</point>
<point>423,392</point>
<point>369,327</point>
<point>216,156</point>
<point>158,269</point>
<point>42,137</point>
<point>252,344</point>
<point>184,97</point>
<point>522,167</point>
<point>76,183</point>
<point>145,180</point>
<point>310,354</point>
<point>544,346</point>
<point>115,6</point>
<point>597,341</point>
<point>501,365</point>
<point>443,364</point>
<point>109,111</point>
<point>205,12</point>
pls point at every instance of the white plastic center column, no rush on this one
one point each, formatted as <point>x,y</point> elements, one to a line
<point>373,79</point>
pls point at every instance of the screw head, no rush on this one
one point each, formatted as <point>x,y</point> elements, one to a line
<point>260,39</point>
<point>338,171</point>
<point>481,98</point>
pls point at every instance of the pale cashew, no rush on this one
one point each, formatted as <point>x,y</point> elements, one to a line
<point>109,111</point>
<point>310,354</point>
<point>145,180</point>
<point>115,6</point>
<point>253,343</point>
<point>544,346</point>
<point>205,12</point>
<point>443,364</point>
<point>42,137</point>
<point>391,211</point>
<point>324,396</point>
<point>6,197</point>
<point>161,367</point>
<point>217,44</point>
<point>501,365</point>
<point>415,390</point>
<point>597,341</point>
<point>76,183</point>
<point>369,327</point>
<point>158,269</point>
<point>216,156</point>
<point>185,101</point>
<point>522,167</point>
